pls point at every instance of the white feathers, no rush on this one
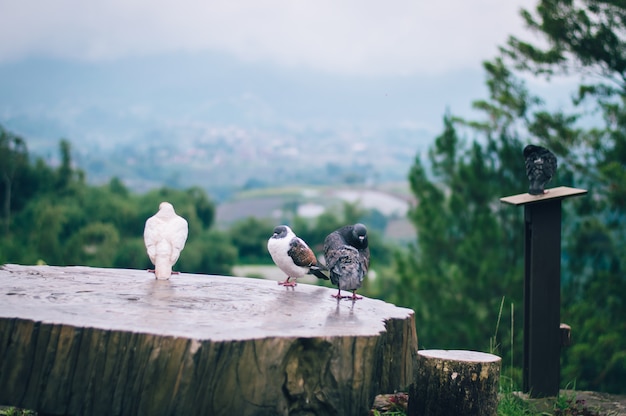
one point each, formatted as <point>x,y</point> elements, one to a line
<point>279,247</point>
<point>165,235</point>
<point>292,255</point>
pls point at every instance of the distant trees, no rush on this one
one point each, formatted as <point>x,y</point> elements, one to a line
<point>13,158</point>
<point>468,250</point>
<point>59,219</point>
<point>587,39</point>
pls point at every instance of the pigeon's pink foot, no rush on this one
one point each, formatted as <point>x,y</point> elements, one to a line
<point>175,272</point>
<point>151,271</point>
<point>354,296</point>
<point>287,283</point>
<point>339,296</point>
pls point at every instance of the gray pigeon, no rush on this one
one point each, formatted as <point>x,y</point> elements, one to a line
<point>292,255</point>
<point>348,258</point>
<point>540,168</point>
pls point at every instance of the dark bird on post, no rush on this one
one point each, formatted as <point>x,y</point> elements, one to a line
<point>292,255</point>
<point>347,257</point>
<point>540,168</point>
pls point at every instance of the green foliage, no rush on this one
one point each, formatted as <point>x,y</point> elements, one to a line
<point>54,217</point>
<point>250,236</point>
<point>586,38</point>
<point>468,253</point>
<point>14,411</point>
<point>95,244</point>
<point>13,158</point>
<point>211,253</point>
<point>511,405</point>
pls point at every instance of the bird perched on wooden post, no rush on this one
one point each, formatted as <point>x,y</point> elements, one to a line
<point>165,235</point>
<point>292,255</point>
<point>347,257</point>
<point>540,168</point>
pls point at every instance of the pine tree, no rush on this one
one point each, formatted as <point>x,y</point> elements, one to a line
<point>586,39</point>
<point>469,249</point>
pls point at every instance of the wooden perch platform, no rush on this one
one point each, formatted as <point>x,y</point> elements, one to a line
<point>559,192</point>
<point>92,341</point>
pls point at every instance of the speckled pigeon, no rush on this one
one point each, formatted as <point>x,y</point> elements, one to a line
<point>540,168</point>
<point>347,257</point>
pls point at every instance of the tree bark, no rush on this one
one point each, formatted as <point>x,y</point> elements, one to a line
<point>455,383</point>
<point>90,341</point>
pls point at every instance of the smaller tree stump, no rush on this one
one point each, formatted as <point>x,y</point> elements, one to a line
<point>454,382</point>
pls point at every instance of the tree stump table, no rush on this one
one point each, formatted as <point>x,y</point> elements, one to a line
<point>455,382</point>
<point>92,341</point>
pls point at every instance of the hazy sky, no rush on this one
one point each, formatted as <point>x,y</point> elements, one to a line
<point>348,37</point>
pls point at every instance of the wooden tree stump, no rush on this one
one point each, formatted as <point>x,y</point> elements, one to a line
<point>455,383</point>
<point>91,341</point>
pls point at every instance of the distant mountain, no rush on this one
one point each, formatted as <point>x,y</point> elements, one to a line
<point>222,124</point>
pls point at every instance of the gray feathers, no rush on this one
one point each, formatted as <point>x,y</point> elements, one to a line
<point>540,168</point>
<point>347,257</point>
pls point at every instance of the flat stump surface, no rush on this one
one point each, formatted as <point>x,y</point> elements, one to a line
<point>203,307</point>
<point>216,344</point>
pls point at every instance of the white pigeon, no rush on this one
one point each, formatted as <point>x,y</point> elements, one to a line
<point>292,255</point>
<point>165,235</point>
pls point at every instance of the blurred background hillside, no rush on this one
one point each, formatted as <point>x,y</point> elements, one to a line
<point>317,115</point>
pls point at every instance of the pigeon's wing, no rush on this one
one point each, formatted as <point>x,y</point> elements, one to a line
<point>300,253</point>
<point>151,236</point>
<point>540,163</point>
<point>550,164</point>
<point>332,244</point>
<point>364,255</point>
<point>339,257</point>
<point>347,271</point>
<point>533,167</point>
<point>178,237</point>
<point>540,167</point>
<point>303,256</point>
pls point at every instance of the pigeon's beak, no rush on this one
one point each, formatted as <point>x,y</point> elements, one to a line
<point>361,238</point>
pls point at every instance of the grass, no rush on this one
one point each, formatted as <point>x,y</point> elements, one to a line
<point>512,403</point>
<point>14,411</point>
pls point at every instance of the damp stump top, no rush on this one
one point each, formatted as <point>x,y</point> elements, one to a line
<point>194,343</point>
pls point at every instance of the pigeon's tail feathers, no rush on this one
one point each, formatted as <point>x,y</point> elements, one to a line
<point>321,266</point>
<point>317,271</point>
<point>346,269</point>
<point>163,268</point>
<point>536,188</point>
<point>347,274</point>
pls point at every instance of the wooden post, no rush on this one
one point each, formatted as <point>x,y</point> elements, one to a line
<point>451,383</point>
<point>542,288</point>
